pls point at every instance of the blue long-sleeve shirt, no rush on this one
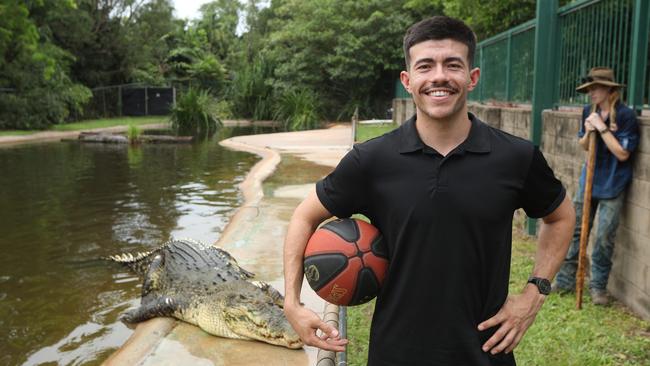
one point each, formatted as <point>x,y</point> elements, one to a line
<point>611,176</point>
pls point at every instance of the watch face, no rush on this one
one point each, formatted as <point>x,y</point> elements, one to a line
<point>544,286</point>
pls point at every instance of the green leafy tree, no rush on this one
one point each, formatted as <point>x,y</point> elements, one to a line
<point>191,63</point>
<point>34,72</point>
<point>488,18</point>
<point>348,53</point>
<point>150,25</point>
<point>218,23</point>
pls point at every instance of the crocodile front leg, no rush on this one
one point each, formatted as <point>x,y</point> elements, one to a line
<point>161,306</point>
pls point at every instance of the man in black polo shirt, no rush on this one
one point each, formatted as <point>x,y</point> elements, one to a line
<point>442,189</point>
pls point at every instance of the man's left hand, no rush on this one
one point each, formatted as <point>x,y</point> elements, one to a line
<point>514,318</point>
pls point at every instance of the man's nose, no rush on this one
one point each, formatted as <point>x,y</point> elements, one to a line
<point>439,75</point>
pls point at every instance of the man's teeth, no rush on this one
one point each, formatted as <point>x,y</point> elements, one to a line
<point>439,93</point>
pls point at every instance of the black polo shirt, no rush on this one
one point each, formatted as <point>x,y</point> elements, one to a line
<point>447,221</point>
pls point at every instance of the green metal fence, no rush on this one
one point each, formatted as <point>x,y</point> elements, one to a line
<point>589,33</point>
<point>506,61</point>
<point>595,34</point>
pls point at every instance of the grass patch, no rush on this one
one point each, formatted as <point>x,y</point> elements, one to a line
<point>368,131</point>
<point>561,335</point>
<point>359,318</point>
<point>110,122</point>
<point>15,133</point>
<point>93,123</point>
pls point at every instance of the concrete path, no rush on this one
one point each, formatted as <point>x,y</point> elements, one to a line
<point>254,236</point>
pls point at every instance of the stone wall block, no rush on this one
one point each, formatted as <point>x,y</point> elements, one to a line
<point>409,109</point>
<point>636,218</point>
<point>641,166</point>
<point>489,115</point>
<point>639,193</point>
<point>632,242</point>
<point>635,298</point>
<point>644,138</point>
<point>628,266</point>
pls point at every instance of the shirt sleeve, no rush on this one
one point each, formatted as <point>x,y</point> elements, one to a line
<point>542,192</point>
<point>342,191</point>
<point>628,133</point>
<point>585,113</point>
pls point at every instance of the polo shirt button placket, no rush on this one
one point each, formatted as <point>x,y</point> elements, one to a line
<point>443,181</point>
<point>442,177</point>
<point>436,176</point>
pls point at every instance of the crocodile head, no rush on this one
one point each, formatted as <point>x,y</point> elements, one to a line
<point>247,312</point>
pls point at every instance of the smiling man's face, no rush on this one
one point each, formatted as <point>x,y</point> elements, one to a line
<point>439,78</point>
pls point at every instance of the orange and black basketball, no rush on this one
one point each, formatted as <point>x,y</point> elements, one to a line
<point>346,261</point>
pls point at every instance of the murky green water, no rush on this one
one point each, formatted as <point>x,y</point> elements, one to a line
<point>63,206</point>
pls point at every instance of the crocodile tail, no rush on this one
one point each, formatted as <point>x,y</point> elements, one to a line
<point>138,262</point>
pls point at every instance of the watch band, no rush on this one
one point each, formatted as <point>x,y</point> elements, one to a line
<point>543,285</point>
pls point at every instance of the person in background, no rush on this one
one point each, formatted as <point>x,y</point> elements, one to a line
<point>618,137</point>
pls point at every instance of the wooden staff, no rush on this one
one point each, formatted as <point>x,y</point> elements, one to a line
<point>586,214</point>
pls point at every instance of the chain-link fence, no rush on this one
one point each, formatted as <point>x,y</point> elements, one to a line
<point>130,100</point>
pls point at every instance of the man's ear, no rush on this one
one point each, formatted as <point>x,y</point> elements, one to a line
<point>474,76</point>
<point>405,78</point>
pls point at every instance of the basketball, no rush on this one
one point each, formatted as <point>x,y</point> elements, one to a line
<point>346,261</point>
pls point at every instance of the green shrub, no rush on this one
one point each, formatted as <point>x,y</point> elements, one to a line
<point>195,113</point>
<point>251,96</point>
<point>298,110</point>
<point>223,110</point>
<point>133,133</point>
<point>41,107</point>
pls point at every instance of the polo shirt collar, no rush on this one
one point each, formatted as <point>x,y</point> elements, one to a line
<point>478,140</point>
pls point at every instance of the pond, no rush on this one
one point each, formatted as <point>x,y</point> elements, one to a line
<point>64,206</point>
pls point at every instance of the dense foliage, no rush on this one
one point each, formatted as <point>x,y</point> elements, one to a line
<point>260,59</point>
<point>195,113</point>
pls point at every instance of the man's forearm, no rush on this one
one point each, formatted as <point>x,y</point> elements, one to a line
<point>297,236</point>
<point>306,218</point>
<point>554,239</point>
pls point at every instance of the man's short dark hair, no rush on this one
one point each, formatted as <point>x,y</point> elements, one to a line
<point>437,28</point>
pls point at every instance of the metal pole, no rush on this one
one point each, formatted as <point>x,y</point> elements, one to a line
<point>638,59</point>
<point>119,100</point>
<point>509,67</point>
<point>146,101</point>
<point>586,214</point>
<point>544,71</point>
<point>104,103</point>
<point>343,331</point>
<point>355,121</point>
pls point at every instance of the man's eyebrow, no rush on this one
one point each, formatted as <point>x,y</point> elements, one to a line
<point>454,59</point>
<point>447,60</point>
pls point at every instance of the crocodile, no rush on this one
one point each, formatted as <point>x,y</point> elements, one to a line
<point>203,285</point>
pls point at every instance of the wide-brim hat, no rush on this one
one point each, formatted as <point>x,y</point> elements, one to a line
<point>598,76</point>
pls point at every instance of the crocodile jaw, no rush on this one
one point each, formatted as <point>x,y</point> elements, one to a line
<point>247,320</point>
